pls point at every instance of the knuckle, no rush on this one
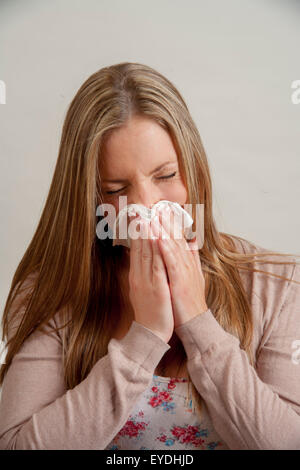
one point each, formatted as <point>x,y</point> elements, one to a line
<point>133,282</point>
<point>146,256</point>
<point>136,248</point>
<point>173,268</point>
<point>157,270</point>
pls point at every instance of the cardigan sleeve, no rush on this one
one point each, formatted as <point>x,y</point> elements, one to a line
<point>250,407</point>
<point>36,412</point>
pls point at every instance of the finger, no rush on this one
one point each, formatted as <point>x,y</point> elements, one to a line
<point>146,258</point>
<point>171,259</point>
<point>160,230</point>
<point>193,245</point>
<point>171,225</point>
<point>172,256</point>
<point>158,265</point>
<point>163,219</point>
<point>133,222</point>
<point>135,257</point>
<point>178,244</point>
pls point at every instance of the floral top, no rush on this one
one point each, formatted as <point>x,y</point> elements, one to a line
<point>164,418</point>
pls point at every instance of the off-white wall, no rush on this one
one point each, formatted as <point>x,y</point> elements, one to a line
<point>233,62</point>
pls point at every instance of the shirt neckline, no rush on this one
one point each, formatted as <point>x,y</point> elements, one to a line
<point>170,379</point>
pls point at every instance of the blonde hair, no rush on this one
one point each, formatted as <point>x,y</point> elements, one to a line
<point>73,272</point>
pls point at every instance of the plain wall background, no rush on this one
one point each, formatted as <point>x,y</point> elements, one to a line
<point>232,61</point>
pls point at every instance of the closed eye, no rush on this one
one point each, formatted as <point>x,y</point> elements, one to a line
<point>168,176</point>
<point>159,178</point>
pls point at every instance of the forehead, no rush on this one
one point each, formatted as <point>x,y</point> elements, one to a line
<point>141,142</point>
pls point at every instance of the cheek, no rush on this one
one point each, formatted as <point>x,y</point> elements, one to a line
<point>114,201</point>
<point>113,212</point>
<point>183,194</point>
<point>177,192</point>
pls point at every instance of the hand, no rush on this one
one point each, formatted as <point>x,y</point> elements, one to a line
<point>149,292</point>
<point>186,280</point>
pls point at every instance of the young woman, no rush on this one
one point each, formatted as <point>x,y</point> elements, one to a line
<point>105,344</point>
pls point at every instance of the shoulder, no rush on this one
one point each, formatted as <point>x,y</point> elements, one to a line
<point>267,292</point>
<point>286,267</point>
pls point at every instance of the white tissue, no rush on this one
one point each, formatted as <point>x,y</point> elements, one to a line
<point>180,216</point>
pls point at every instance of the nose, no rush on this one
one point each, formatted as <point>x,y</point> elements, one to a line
<point>146,196</point>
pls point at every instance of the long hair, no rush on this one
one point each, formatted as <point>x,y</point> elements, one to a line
<point>68,271</point>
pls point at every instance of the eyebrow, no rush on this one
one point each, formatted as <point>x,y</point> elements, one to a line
<point>152,172</point>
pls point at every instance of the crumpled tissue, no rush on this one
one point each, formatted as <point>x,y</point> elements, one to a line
<point>181,217</point>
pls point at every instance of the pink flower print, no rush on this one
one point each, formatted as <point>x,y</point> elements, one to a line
<point>167,441</point>
<point>132,429</point>
<point>172,382</point>
<point>155,401</point>
<point>159,399</point>
<point>213,445</point>
<point>162,438</point>
<point>171,385</point>
<point>188,434</point>
<point>154,389</point>
<point>165,396</point>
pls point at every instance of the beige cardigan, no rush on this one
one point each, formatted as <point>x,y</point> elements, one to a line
<point>250,408</point>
